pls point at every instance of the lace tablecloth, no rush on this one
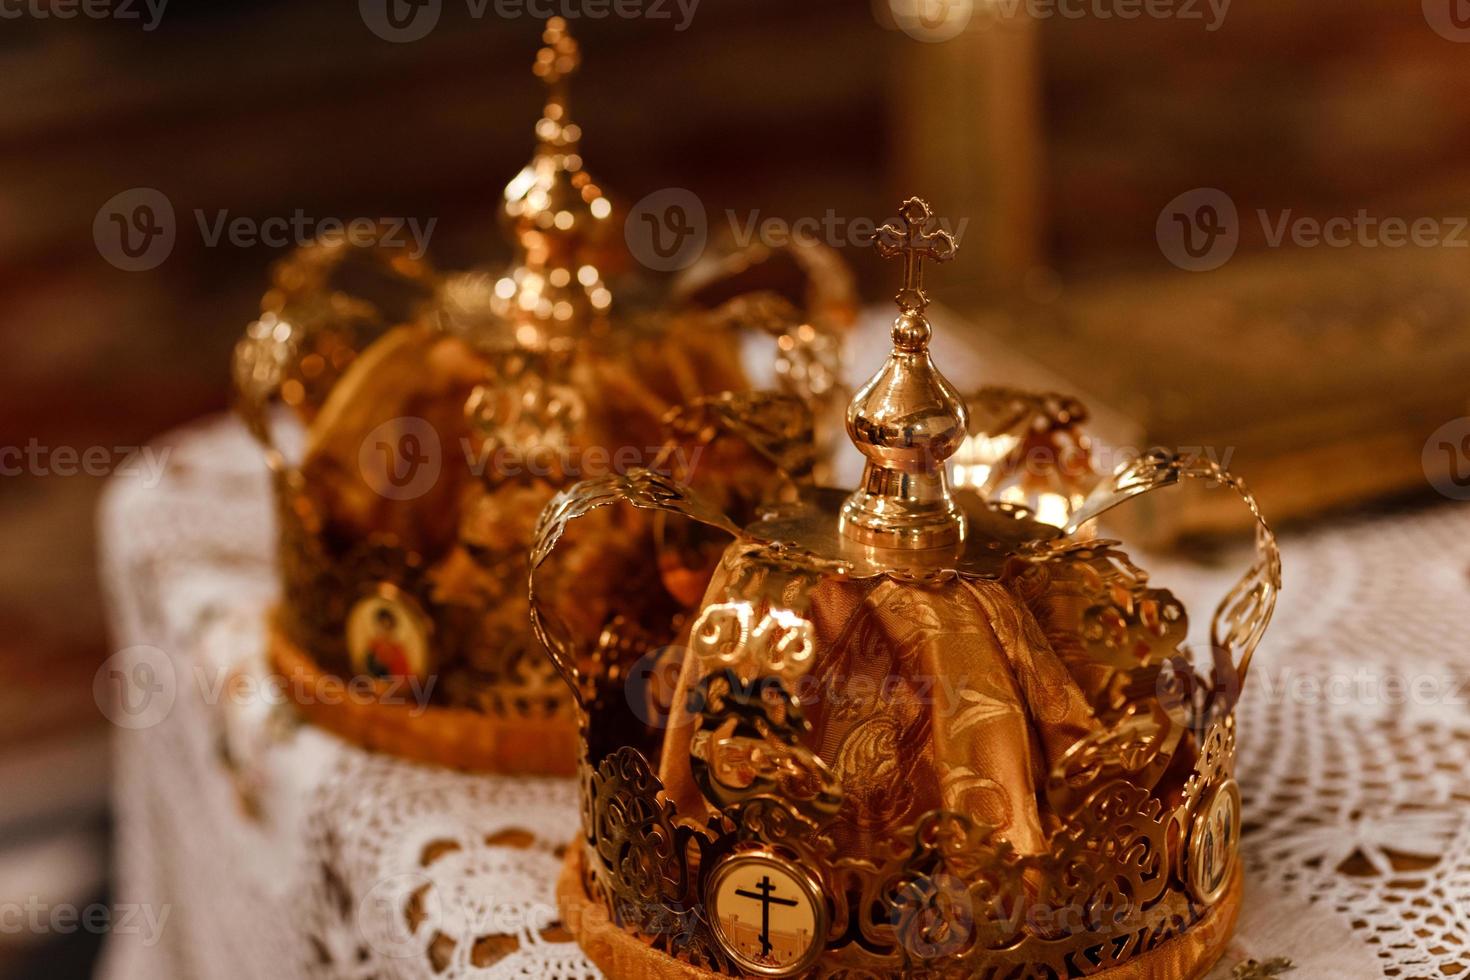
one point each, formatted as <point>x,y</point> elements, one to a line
<point>281,851</point>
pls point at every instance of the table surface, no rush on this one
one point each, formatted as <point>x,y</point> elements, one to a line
<point>278,850</point>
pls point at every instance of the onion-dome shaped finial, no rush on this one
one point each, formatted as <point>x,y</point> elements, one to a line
<point>908,419</point>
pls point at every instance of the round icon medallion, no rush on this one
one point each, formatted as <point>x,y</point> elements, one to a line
<point>1213,843</point>
<point>768,913</point>
<point>388,634</point>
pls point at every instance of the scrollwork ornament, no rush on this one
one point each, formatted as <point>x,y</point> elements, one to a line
<point>1241,618</point>
<point>779,428</point>
<point>729,636</point>
<point>637,850</point>
<point>1138,748</point>
<point>957,891</point>
<point>527,404</point>
<point>642,488</point>
<point>1121,840</point>
<point>748,746</point>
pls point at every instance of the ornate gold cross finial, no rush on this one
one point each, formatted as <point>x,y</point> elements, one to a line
<point>907,420</point>
<point>915,243</point>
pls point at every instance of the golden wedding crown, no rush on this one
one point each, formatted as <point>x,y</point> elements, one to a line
<point>440,413</point>
<point>910,729</point>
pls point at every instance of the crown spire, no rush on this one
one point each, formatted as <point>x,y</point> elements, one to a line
<point>908,419</point>
<point>556,62</point>
<point>556,215</point>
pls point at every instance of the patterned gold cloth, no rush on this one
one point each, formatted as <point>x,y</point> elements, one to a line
<point>923,695</point>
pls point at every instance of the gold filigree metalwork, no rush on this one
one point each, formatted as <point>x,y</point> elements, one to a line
<point>1028,448</point>
<point>443,413</point>
<point>732,636</point>
<point>1131,836</point>
<point>527,404</point>
<point>1241,618</point>
<point>327,301</point>
<point>640,488</point>
<point>1127,625</point>
<point>950,897</point>
<point>776,426</point>
<point>954,900</point>
<point>908,419</point>
<point>748,746</point>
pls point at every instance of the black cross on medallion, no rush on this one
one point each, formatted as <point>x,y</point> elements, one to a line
<point>764,895</point>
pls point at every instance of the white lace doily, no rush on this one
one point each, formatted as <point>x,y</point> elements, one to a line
<point>279,850</point>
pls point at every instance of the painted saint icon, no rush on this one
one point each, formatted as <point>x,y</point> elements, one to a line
<point>1214,842</point>
<point>388,635</point>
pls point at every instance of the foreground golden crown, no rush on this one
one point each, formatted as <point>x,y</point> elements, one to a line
<point>441,414</point>
<point>912,730</point>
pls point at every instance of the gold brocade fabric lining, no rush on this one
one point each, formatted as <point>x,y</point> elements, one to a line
<point>923,696</point>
